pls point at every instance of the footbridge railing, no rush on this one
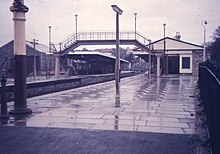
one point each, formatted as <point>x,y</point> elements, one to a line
<point>101,36</point>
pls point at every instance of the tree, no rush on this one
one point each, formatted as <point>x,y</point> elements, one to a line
<point>215,45</point>
<point>130,57</point>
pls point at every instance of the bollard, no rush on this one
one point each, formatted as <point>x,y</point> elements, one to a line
<point>4,109</point>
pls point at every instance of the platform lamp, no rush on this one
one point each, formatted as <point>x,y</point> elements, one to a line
<point>135,24</point>
<point>204,22</point>
<point>117,64</point>
<point>164,50</point>
<point>76,17</point>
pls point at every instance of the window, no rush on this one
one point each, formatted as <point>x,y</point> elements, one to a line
<point>185,62</point>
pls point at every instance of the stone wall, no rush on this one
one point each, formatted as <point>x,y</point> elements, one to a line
<point>45,87</point>
<point>6,53</point>
<point>198,58</point>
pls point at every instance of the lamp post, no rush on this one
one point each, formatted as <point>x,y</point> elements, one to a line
<point>76,16</point>
<point>49,38</point>
<point>204,22</point>
<point>135,24</point>
<point>164,49</point>
<point>48,58</point>
<point>117,64</point>
<point>150,51</point>
<point>20,100</point>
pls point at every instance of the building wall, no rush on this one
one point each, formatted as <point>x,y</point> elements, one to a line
<point>43,61</point>
<point>184,50</point>
<point>197,58</point>
<point>6,51</point>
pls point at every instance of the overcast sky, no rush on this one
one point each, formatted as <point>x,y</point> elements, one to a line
<point>184,16</point>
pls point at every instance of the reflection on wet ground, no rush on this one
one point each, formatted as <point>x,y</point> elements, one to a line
<point>164,105</point>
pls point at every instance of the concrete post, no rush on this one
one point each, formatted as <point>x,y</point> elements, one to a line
<point>35,64</point>
<point>158,55</point>
<point>20,105</point>
<point>57,65</point>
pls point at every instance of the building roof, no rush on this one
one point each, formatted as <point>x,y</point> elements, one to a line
<point>39,47</point>
<point>174,45</point>
<point>95,53</point>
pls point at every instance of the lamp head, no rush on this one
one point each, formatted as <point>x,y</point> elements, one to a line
<point>164,25</point>
<point>204,22</point>
<point>135,15</point>
<point>117,9</point>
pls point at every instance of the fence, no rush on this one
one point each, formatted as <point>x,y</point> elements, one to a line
<point>209,84</point>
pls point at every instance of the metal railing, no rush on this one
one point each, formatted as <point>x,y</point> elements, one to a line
<point>99,36</point>
<point>209,85</point>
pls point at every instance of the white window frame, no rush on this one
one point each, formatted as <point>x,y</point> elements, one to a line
<point>186,70</point>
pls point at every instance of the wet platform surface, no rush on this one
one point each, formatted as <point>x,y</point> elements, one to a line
<point>162,105</point>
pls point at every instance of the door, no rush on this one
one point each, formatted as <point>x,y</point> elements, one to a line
<point>173,64</point>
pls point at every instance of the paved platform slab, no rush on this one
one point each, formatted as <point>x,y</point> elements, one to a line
<point>162,105</point>
<point>154,116</point>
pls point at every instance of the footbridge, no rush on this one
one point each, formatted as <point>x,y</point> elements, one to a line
<point>99,38</point>
<point>60,50</point>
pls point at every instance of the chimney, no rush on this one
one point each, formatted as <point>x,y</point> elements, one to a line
<point>177,36</point>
